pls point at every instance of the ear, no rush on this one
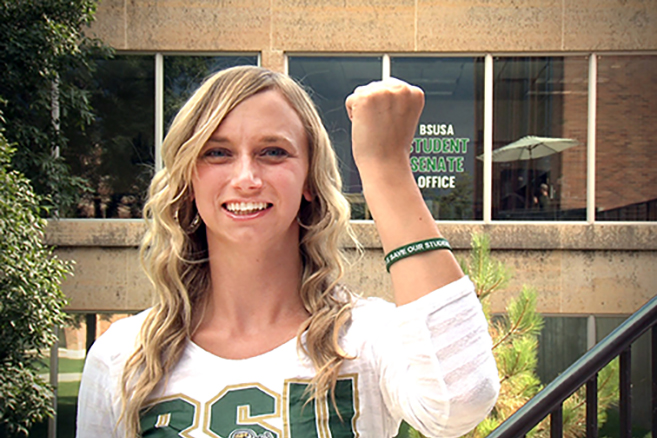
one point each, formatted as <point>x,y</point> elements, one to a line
<point>307,192</point>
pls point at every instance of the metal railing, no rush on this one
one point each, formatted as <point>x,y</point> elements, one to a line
<point>585,372</point>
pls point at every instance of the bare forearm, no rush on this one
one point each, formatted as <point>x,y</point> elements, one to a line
<point>402,217</point>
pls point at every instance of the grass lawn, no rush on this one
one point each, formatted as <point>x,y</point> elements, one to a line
<point>66,365</point>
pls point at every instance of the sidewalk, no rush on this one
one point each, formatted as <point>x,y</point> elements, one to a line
<point>64,377</point>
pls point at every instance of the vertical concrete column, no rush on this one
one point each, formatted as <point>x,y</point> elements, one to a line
<point>273,60</point>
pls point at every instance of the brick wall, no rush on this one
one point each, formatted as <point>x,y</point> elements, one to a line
<point>626,145</point>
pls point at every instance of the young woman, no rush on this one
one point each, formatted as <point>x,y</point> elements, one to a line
<point>251,335</point>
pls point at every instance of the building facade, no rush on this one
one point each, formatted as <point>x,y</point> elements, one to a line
<point>578,224</point>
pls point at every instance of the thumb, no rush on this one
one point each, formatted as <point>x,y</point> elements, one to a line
<point>349,103</point>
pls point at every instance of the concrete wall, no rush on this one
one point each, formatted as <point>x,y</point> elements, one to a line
<point>604,269</point>
<point>276,27</point>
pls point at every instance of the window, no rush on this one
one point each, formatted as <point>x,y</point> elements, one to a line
<point>449,135</point>
<point>544,97</point>
<point>626,177</point>
<point>116,154</point>
<point>539,138</point>
<point>184,74</point>
<point>330,80</point>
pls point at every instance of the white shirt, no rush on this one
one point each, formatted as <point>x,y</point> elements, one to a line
<point>428,362</point>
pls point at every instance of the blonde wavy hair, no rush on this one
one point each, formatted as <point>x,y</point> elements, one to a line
<point>175,257</point>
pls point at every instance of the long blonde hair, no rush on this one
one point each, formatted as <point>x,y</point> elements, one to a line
<point>174,253</point>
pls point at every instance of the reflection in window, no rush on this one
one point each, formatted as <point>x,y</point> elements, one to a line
<point>449,135</point>
<point>330,80</point>
<point>626,177</point>
<point>115,154</point>
<point>184,74</point>
<point>542,97</point>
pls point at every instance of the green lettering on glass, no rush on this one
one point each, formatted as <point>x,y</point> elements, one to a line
<point>459,164</point>
<point>463,142</point>
<point>414,164</point>
<point>451,163</point>
<point>168,419</point>
<point>426,146</point>
<point>442,166</point>
<point>436,145</point>
<point>432,164</point>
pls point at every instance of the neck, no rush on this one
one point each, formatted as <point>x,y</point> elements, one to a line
<point>254,287</point>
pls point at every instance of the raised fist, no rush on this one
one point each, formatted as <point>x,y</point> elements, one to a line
<point>384,116</point>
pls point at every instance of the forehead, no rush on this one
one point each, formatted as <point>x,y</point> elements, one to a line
<point>265,113</point>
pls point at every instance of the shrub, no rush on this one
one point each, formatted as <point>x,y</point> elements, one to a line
<point>32,301</point>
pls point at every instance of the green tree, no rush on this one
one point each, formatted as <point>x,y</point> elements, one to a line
<point>44,56</point>
<point>32,301</point>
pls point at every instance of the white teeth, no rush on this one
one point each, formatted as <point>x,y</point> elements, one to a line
<point>245,207</point>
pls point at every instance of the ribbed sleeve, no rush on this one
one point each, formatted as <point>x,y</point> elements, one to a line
<point>437,368</point>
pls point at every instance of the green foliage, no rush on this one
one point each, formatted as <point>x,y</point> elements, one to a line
<point>32,301</point>
<point>487,274</point>
<point>43,56</point>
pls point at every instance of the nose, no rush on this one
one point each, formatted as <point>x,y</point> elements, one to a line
<point>246,176</point>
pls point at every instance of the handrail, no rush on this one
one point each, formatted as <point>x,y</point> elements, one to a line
<point>562,387</point>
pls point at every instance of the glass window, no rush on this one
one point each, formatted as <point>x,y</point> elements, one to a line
<point>330,80</point>
<point>560,343</point>
<point>539,138</point>
<point>625,173</point>
<point>115,154</point>
<point>449,135</point>
<point>184,74</point>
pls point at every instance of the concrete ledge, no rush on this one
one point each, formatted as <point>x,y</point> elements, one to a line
<point>578,269</point>
<point>504,235</point>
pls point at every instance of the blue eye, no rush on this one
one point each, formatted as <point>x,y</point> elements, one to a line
<point>215,153</point>
<point>275,152</point>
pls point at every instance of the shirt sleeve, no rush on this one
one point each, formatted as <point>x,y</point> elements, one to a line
<point>95,417</point>
<point>98,399</point>
<point>437,370</point>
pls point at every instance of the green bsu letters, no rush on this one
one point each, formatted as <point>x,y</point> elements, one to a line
<point>243,411</point>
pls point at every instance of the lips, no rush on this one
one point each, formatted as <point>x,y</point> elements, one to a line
<point>246,208</point>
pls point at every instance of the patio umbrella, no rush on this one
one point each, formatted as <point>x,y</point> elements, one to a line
<point>531,147</point>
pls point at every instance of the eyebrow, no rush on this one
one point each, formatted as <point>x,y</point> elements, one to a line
<point>218,140</point>
<point>267,139</point>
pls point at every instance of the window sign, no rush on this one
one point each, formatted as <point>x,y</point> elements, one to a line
<point>329,81</point>
<point>444,149</point>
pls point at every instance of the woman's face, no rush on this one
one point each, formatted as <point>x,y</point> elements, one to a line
<point>251,174</point>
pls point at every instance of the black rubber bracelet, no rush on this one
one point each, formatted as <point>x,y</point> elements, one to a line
<point>415,248</point>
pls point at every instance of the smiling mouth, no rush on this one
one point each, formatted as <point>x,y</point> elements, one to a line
<point>245,208</point>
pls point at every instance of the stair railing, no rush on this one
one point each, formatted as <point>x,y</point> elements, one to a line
<point>584,371</point>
